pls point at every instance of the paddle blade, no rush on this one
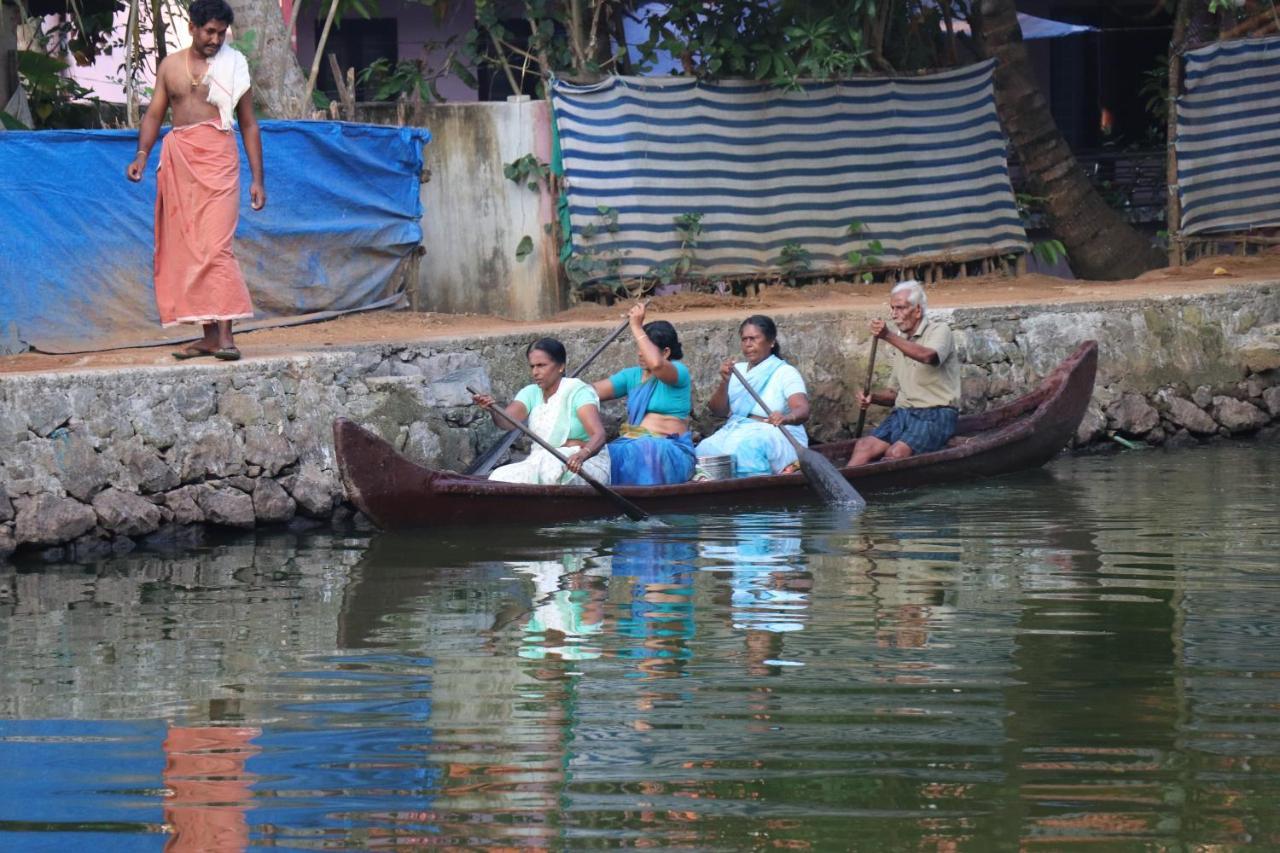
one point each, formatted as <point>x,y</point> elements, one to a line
<point>828,482</point>
<point>489,460</point>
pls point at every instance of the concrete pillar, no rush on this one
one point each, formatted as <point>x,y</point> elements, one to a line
<point>474,218</point>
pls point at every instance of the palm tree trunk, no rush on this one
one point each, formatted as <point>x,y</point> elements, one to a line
<point>1099,243</point>
<point>278,85</point>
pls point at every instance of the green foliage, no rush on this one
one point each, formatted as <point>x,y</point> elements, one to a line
<point>782,43</point>
<point>525,249</point>
<point>597,265</point>
<point>1049,252</point>
<point>689,229</point>
<point>50,92</point>
<point>527,170</point>
<point>408,77</point>
<point>867,256</point>
<point>794,260</point>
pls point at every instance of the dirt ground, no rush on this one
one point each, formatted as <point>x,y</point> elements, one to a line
<point>1204,276</point>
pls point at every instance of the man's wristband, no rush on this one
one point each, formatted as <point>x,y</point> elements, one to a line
<point>143,153</point>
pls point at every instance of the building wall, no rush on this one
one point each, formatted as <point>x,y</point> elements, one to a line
<point>421,34</point>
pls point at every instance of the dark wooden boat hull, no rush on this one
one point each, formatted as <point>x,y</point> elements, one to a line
<point>396,493</point>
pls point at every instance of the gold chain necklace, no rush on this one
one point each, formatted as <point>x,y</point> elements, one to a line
<point>194,81</point>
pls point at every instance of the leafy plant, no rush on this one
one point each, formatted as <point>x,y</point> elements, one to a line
<point>527,170</point>
<point>1049,252</point>
<point>51,93</point>
<point>390,80</point>
<point>525,248</point>
<point>794,259</point>
<point>868,256</point>
<point>591,265</point>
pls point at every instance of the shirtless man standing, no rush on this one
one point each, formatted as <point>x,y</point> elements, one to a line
<point>197,277</point>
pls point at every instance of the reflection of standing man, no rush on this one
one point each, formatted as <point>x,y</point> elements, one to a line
<point>197,277</point>
<point>926,382</point>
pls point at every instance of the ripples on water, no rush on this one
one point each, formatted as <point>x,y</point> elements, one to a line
<point>1088,654</point>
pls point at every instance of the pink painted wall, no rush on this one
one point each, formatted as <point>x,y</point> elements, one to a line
<point>417,26</point>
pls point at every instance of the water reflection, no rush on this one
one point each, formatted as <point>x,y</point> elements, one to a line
<point>1078,656</point>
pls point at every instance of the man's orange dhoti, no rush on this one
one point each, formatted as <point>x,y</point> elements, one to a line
<point>198,279</point>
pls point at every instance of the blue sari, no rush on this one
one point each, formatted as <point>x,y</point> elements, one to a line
<point>641,458</point>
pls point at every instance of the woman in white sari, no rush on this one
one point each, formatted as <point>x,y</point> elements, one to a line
<point>749,436</point>
<point>564,412</point>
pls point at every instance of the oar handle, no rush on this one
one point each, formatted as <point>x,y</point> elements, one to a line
<point>866,388</point>
<point>635,512</point>
<point>800,448</point>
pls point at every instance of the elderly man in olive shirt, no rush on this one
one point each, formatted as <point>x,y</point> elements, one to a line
<point>925,390</point>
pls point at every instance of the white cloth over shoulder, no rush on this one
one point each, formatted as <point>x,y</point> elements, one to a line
<point>758,447</point>
<point>228,80</point>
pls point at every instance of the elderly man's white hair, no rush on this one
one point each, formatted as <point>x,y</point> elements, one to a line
<point>914,291</point>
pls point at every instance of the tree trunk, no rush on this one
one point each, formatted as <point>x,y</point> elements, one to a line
<point>1099,243</point>
<point>278,85</point>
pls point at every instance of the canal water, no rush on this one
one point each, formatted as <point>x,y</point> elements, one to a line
<point>1085,654</point>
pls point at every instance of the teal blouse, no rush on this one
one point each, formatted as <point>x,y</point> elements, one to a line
<point>674,400</point>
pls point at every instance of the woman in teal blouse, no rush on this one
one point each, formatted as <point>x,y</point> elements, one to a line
<point>655,446</point>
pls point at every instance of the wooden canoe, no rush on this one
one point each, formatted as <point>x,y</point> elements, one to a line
<point>396,493</point>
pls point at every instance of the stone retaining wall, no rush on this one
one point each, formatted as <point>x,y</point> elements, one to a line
<point>92,462</point>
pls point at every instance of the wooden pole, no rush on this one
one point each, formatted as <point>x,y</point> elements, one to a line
<point>1173,206</point>
<point>315,62</point>
<point>132,115</point>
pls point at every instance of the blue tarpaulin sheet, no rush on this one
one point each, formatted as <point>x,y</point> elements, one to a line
<point>76,237</point>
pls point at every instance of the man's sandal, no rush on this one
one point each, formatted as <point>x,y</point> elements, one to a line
<point>193,352</point>
<point>227,354</point>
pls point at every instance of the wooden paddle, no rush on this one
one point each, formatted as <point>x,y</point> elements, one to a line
<point>866,389</point>
<point>632,511</point>
<point>818,470</point>
<point>487,461</point>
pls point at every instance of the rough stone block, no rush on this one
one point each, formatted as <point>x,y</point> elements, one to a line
<point>146,467</point>
<point>267,448</point>
<point>1203,396</point>
<point>126,514</point>
<point>1260,356</point>
<point>46,409</point>
<point>1191,417</point>
<point>240,408</point>
<point>271,503</point>
<point>1091,426</point>
<point>13,427</point>
<point>212,451</point>
<point>50,520</point>
<point>1237,415</point>
<point>228,507</point>
<point>64,462</point>
<point>158,423</point>
<point>6,505</point>
<point>7,543</point>
<point>1132,415</point>
<point>184,504</point>
<point>195,400</point>
<point>981,347</point>
<point>1271,397</point>
<point>422,445</point>
<point>973,385</point>
<point>315,490</point>
<point>1181,438</point>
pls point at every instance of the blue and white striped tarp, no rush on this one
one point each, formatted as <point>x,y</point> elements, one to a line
<point>918,161</point>
<point>1228,141</point>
